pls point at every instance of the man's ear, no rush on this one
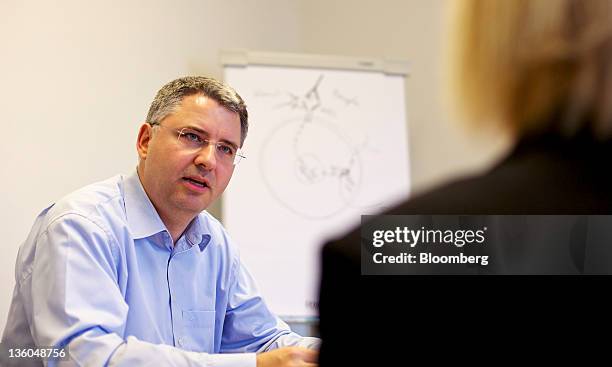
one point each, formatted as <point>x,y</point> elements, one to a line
<point>144,137</point>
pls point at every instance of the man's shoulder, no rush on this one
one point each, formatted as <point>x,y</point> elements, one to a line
<point>87,212</point>
<point>97,202</point>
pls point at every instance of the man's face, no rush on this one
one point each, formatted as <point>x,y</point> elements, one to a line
<point>167,170</point>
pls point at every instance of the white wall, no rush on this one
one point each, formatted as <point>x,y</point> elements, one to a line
<point>77,78</point>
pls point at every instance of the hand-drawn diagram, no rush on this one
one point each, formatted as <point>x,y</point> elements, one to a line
<point>326,145</point>
<point>324,165</point>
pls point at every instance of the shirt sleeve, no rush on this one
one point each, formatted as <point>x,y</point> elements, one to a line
<point>250,326</point>
<point>137,353</point>
<point>76,302</point>
<point>295,340</point>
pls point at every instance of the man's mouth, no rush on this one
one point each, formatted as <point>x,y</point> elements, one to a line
<point>199,183</point>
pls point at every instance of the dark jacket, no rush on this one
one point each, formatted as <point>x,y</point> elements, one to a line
<point>542,175</point>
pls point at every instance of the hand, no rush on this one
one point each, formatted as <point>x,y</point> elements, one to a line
<point>288,357</point>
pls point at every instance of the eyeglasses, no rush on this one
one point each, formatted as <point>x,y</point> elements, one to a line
<point>193,141</point>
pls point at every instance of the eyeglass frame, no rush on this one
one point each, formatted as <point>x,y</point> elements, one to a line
<point>238,156</point>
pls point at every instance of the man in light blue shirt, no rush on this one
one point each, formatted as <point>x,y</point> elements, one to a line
<point>132,271</point>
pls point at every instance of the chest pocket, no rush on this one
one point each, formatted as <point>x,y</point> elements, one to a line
<point>200,329</point>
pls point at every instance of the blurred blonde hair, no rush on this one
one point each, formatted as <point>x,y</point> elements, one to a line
<point>534,65</point>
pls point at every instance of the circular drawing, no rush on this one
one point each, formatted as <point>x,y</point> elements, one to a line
<point>310,168</point>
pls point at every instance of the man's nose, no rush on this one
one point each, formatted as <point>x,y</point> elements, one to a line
<point>207,157</point>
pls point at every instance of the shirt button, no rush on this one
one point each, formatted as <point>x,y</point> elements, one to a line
<point>181,341</point>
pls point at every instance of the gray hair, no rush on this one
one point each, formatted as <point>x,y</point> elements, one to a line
<point>169,97</point>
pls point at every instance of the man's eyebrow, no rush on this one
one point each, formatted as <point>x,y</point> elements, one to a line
<point>205,133</point>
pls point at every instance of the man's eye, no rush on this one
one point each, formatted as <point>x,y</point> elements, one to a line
<point>225,149</point>
<point>192,137</point>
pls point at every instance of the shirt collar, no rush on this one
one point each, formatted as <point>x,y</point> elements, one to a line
<point>196,233</point>
<point>144,221</point>
<point>142,218</point>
